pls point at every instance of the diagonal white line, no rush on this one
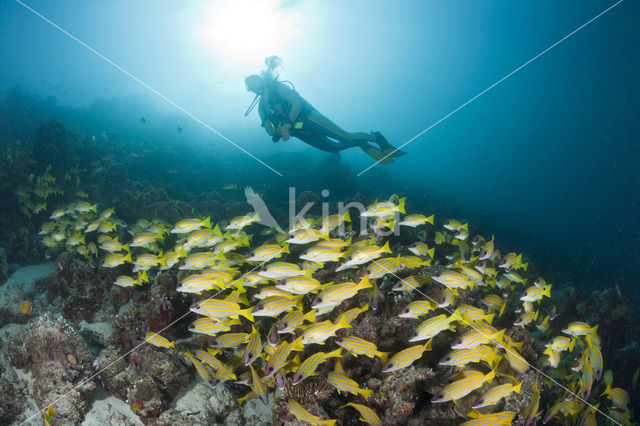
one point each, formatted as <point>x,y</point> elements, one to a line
<point>104,58</point>
<point>493,85</point>
<point>63,396</point>
<point>505,347</point>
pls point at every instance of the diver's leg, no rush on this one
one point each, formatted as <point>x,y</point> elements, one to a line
<point>318,123</point>
<point>325,144</point>
<point>321,124</point>
<point>318,141</point>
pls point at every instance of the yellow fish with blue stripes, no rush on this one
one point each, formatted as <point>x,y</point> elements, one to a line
<point>463,387</point>
<point>303,415</point>
<point>406,357</point>
<point>367,414</point>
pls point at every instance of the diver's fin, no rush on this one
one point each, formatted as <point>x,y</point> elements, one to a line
<point>386,147</point>
<point>378,155</point>
<point>394,152</point>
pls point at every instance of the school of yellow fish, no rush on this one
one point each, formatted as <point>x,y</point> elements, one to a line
<point>240,289</point>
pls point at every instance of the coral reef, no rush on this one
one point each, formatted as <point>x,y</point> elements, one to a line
<point>147,379</point>
<point>400,393</point>
<point>59,361</point>
<point>12,389</point>
<point>85,291</point>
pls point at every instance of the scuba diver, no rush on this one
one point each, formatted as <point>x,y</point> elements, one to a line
<point>284,113</point>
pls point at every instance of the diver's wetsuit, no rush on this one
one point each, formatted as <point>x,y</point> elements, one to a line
<point>311,126</point>
<point>317,133</point>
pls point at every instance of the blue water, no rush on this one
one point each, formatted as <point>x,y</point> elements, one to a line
<point>547,160</point>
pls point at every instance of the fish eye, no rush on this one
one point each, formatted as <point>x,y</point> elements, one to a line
<point>480,402</point>
<point>284,324</point>
<point>258,307</point>
<point>405,311</point>
<point>250,355</point>
<point>389,365</point>
<point>447,358</point>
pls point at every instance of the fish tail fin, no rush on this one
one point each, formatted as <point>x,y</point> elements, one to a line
<point>365,283</point>
<point>366,393</point>
<point>427,346</point>
<point>385,248</point>
<point>342,322</point>
<point>517,387</point>
<point>401,205</point>
<point>547,291</point>
<point>383,356</point>
<point>346,217</point>
<point>246,313</point>
<point>334,354</point>
<point>128,257</point>
<point>297,344</point>
<point>207,222</point>
<point>489,317</point>
<point>489,377</point>
<point>310,316</point>
<point>285,248</point>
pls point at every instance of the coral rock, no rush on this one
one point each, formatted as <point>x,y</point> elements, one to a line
<point>46,350</point>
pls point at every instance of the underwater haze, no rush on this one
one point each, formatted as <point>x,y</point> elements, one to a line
<point>547,160</point>
<point>521,119</point>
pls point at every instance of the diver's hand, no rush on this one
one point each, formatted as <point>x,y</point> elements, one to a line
<point>284,131</point>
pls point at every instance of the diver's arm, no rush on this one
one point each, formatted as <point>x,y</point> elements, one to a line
<point>291,98</point>
<point>266,123</point>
